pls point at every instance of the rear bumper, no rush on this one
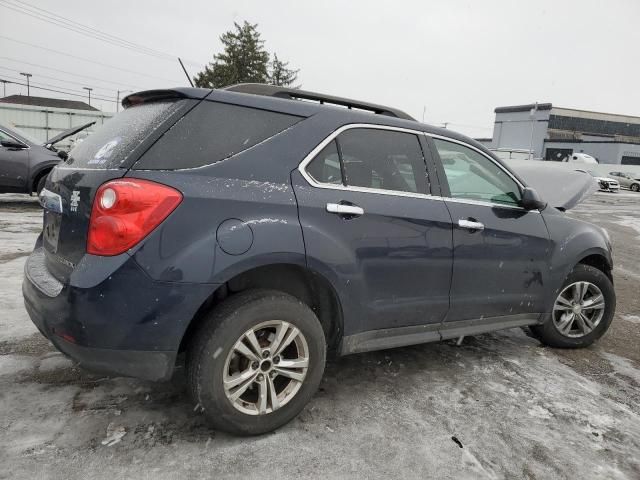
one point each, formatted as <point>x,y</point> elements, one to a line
<point>126,325</point>
<point>147,365</point>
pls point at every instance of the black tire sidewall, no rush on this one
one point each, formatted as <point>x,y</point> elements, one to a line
<point>229,326</point>
<point>41,183</point>
<point>548,332</point>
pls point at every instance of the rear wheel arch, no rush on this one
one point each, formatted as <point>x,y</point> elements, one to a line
<point>39,176</point>
<point>308,286</point>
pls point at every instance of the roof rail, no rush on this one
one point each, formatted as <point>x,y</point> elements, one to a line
<point>295,94</point>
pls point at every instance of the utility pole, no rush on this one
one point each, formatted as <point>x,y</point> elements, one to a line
<point>88,90</point>
<point>118,99</point>
<point>424,110</point>
<point>4,87</point>
<point>28,75</point>
<point>532,114</point>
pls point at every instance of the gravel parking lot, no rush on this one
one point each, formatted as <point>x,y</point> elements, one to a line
<point>498,406</point>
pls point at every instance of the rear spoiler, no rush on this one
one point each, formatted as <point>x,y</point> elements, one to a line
<point>149,96</point>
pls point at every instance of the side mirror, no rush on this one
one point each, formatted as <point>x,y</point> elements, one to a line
<point>63,155</point>
<point>12,144</point>
<point>531,200</point>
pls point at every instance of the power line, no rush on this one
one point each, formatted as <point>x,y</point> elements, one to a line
<point>86,59</point>
<point>118,84</point>
<point>68,24</point>
<point>57,90</point>
<point>60,79</point>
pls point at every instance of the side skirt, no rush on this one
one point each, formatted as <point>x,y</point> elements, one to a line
<point>416,334</point>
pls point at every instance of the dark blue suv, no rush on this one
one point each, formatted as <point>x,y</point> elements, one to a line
<point>254,229</point>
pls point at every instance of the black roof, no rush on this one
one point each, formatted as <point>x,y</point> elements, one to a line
<point>47,102</point>
<point>523,108</point>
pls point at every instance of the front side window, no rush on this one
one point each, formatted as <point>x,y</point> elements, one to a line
<point>372,158</point>
<point>473,176</point>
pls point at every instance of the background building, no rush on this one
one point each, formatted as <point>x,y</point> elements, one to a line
<point>553,133</point>
<point>43,118</point>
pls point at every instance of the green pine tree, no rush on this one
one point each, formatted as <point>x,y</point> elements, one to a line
<point>244,60</point>
<point>280,75</point>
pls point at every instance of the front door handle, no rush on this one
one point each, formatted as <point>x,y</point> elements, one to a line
<point>470,225</point>
<point>342,209</point>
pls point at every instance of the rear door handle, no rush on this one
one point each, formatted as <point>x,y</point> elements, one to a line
<point>342,209</point>
<point>470,225</point>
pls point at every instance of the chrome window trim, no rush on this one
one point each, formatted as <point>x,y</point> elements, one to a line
<point>501,167</point>
<point>471,201</point>
<point>328,186</point>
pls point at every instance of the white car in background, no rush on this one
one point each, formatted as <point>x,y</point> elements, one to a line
<point>606,184</point>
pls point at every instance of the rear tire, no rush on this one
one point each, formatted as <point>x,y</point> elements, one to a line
<point>635,187</point>
<point>564,328</point>
<point>41,183</point>
<point>225,358</point>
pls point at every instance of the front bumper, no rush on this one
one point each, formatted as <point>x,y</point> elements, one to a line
<point>126,324</point>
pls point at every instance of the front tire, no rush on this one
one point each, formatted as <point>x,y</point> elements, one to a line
<point>635,187</point>
<point>256,362</point>
<point>582,312</point>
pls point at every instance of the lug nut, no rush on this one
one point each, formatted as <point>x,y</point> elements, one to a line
<point>255,365</point>
<point>265,354</point>
<point>260,377</point>
<point>276,359</point>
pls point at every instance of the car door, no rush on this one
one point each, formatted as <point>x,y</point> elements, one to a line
<point>14,163</point>
<point>370,223</point>
<point>500,255</point>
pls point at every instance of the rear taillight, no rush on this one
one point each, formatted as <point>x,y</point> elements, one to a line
<point>125,211</point>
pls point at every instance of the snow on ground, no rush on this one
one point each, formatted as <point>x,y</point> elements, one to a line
<point>498,406</point>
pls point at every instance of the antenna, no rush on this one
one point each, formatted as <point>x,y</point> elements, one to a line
<point>185,72</point>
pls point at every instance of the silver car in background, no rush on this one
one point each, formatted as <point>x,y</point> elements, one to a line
<point>627,180</point>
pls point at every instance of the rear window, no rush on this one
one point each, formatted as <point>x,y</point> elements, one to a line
<point>113,143</point>
<point>212,132</point>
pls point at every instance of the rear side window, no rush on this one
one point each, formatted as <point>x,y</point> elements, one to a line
<point>210,133</point>
<point>112,144</point>
<point>372,158</point>
<point>383,159</point>
<point>325,167</point>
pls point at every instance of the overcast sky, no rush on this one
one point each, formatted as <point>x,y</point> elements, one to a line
<point>457,60</point>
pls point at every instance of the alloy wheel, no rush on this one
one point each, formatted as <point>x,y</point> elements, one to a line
<point>578,309</point>
<point>266,367</point>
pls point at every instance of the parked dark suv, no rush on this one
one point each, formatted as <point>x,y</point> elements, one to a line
<point>25,162</point>
<point>254,229</point>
